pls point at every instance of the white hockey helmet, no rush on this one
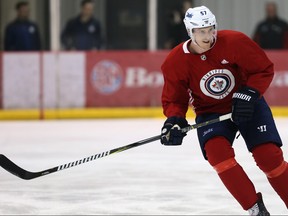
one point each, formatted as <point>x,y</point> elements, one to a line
<point>199,17</point>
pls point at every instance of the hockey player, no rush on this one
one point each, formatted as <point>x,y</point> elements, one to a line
<point>222,72</point>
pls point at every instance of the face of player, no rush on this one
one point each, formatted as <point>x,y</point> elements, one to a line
<point>204,37</point>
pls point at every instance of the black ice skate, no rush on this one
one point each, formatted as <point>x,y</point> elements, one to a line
<point>259,208</point>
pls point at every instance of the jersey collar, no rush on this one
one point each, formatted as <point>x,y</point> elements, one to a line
<point>185,46</point>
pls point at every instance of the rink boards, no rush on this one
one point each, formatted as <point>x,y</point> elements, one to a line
<point>105,84</point>
<point>100,113</point>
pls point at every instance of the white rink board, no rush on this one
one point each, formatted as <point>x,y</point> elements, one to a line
<point>71,80</point>
<point>147,180</point>
<point>64,80</point>
<point>61,77</point>
<point>21,80</point>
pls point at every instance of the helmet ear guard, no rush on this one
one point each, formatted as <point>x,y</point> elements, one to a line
<point>199,17</point>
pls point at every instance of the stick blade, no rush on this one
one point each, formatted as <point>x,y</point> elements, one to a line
<point>11,167</point>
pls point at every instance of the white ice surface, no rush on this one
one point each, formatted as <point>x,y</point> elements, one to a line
<point>149,179</point>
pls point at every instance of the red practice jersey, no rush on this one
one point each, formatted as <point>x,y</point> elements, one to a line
<point>209,79</point>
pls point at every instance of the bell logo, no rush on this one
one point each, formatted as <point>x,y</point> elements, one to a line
<point>107,77</point>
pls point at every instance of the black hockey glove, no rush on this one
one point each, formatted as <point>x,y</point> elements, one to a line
<point>243,104</point>
<point>171,131</point>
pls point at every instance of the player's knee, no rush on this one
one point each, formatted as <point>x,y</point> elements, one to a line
<point>218,150</point>
<point>269,158</point>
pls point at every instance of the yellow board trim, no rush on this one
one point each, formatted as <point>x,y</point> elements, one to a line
<point>96,113</point>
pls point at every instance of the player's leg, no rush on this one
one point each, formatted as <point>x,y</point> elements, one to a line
<point>269,158</point>
<point>215,141</point>
<point>264,142</point>
<point>221,157</point>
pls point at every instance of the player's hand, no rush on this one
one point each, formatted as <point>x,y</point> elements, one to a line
<point>171,131</point>
<point>243,102</point>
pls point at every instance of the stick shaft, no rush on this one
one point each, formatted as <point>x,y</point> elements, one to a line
<point>14,169</point>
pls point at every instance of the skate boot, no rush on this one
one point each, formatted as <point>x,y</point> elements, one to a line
<point>259,208</point>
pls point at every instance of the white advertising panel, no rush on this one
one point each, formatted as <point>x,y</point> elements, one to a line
<point>21,80</point>
<point>71,80</point>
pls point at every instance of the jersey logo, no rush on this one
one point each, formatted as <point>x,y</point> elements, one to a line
<point>91,29</point>
<point>217,83</point>
<point>203,57</point>
<point>32,30</point>
<point>224,61</point>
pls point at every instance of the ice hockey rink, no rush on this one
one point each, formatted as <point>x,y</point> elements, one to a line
<point>147,180</point>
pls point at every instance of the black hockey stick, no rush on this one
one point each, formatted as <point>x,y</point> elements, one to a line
<point>11,167</point>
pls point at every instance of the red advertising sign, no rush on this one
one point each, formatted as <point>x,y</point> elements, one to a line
<point>277,93</point>
<point>124,78</point>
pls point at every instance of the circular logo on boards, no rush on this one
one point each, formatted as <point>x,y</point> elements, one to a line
<point>107,77</point>
<point>217,83</point>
